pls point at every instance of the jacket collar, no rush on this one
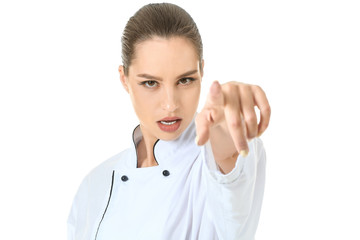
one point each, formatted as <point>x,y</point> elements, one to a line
<point>168,153</point>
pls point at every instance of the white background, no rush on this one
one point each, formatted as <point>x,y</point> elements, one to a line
<point>63,110</point>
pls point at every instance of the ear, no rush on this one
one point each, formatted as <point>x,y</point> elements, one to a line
<point>123,78</point>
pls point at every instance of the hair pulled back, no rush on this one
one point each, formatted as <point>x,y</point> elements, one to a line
<point>158,20</point>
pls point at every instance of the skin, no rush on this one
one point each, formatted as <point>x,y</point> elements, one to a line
<point>167,72</point>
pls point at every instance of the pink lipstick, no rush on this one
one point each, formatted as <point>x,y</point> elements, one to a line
<point>169,124</point>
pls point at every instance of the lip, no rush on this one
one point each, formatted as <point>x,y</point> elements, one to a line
<point>170,119</point>
<point>170,128</point>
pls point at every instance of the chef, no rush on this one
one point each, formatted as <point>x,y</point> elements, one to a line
<point>188,175</point>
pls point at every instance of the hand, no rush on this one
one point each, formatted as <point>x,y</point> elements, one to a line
<point>230,107</point>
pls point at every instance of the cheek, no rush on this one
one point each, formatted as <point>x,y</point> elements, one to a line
<point>191,98</point>
<point>143,101</point>
<point>136,100</point>
<point>140,103</point>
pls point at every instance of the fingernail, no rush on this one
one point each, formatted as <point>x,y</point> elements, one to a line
<point>196,140</point>
<point>244,153</point>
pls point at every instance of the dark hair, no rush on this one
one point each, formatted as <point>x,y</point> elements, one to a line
<point>158,20</point>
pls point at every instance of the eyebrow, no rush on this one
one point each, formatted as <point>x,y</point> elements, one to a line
<point>148,76</point>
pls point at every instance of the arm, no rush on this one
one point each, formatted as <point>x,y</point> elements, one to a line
<point>234,200</point>
<point>234,157</point>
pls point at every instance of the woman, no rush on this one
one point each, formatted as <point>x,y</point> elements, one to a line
<point>188,175</point>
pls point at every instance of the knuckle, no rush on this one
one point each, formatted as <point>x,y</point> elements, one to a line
<point>229,87</point>
<point>256,88</point>
<point>246,87</point>
<point>250,119</point>
<point>266,125</point>
<point>226,87</point>
<point>267,109</point>
<point>235,123</point>
<point>252,134</point>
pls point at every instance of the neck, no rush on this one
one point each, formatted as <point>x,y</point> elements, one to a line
<point>145,151</point>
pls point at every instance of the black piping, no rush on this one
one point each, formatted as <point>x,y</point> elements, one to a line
<point>107,205</point>
<point>154,151</point>
<point>135,145</point>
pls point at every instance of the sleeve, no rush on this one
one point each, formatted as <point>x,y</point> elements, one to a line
<point>234,200</point>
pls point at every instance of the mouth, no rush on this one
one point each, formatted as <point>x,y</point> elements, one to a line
<point>169,124</point>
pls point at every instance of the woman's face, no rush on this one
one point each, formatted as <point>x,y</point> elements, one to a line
<point>164,83</point>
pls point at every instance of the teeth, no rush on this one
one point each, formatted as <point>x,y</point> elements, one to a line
<point>168,123</point>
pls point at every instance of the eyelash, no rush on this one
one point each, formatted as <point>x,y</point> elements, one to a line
<point>187,78</point>
<point>145,83</point>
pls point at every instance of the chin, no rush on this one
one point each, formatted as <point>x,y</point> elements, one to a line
<point>170,136</point>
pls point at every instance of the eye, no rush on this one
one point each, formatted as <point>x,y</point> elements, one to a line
<point>186,81</point>
<point>149,84</point>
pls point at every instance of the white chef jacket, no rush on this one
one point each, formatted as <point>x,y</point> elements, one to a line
<point>184,197</point>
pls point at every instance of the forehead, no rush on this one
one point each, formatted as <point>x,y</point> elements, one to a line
<point>165,55</point>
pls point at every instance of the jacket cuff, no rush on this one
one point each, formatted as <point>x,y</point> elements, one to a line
<point>213,169</point>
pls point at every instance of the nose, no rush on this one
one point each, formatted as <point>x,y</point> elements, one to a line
<point>169,102</point>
